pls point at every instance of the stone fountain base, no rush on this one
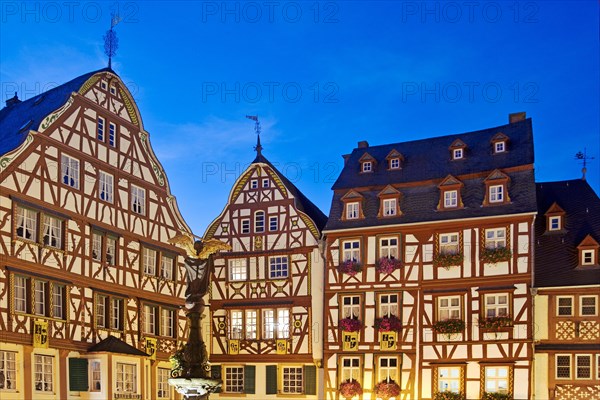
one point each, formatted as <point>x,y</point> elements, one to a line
<point>195,388</point>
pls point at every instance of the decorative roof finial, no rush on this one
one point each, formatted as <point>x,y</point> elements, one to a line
<point>258,148</point>
<point>111,42</point>
<point>583,156</point>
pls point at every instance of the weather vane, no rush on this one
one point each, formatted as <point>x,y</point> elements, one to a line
<point>258,146</point>
<point>583,156</point>
<point>111,42</point>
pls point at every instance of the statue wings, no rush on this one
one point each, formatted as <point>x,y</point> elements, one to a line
<point>212,246</point>
<point>186,242</point>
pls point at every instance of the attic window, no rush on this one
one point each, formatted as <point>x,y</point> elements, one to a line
<point>103,85</point>
<point>554,223</point>
<point>457,149</point>
<point>394,159</point>
<point>367,166</point>
<point>588,257</point>
<point>352,203</point>
<point>395,163</point>
<point>450,198</point>
<point>555,218</point>
<point>457,154</point>
<point>496,189</point>
<point>499,147</point>
<point>389,202</point>
<point>588,252</point>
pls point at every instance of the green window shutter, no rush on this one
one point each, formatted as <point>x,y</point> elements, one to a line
<point>215,373</point>
<point>249,379</point>
<point>310,379</point>
<point>271,379</point>
<point>78,375</point>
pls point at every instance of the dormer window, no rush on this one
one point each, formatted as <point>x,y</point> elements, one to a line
<point>367,166</point>
<point>367,163</point>
<point>457,149</point>
<point>389,202</point>
<point>588,257</point>
<point>588,252</point>
<point>499,147</point>
<point>496,194</point>
<point>450,198</point>
<point>352,206</point>
<point>496,189</point>
<point>554,224</point>
<point>457,154</point>
<point>394,159</point>
<point>554,218</point>
<point>499,143</point>
<point>352,210</point>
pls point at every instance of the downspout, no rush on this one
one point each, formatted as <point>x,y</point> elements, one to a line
<point>533,291</point>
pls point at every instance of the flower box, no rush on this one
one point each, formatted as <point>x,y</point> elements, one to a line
<point>350,267</point>
<point>496,396</point>
<point>493,256</point>
<point>447,395</point>
<point>350,325</point>
<point>387,389</point>
<point>449,326</point>
<point>386,265</point>
<point>496,323</point>
<point>388,324</point>
<point>448,260</point>
<point>350,388</point>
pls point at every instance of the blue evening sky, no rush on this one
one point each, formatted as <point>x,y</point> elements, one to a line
<point>321,75</point>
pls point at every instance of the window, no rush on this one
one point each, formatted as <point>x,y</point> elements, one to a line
<point>496,193</point>
<point>149,262</point>
<point>495,238</point>
<point>33,296</point>
<point>388,305</point>
<point>113,89</point>
<point>496,379</point>
<point>265,183</point>
<point>273,223</point>
<point>150,318</point>
<point>564,306</point>
<point>237,324</point>
<point>70,171</point>
<point>283,323</point>
<point>268,324</point>
<point>104,248</point>
<point>39,305</point>
<point>450,198</point>
<point>100,129</point>
<point>126,378</point>
<point>43,373</point>
<point>246,226</point>
<point>388,369</point>
<point>259,222</point>
<point>389,207</point>
<point>166,267</point>
<point>292,380</point>
<point>58,301</point>
<point>254,184</point>
<point>587,305</point>
<point>584,366</point>
<point>388,247</point>
<point>499,147</point>
<point>449,243</point>
<point>105,187</point>
<point>251,324</point>
<point>103,85</point>
<point>162,383</point>
<point>276,323</point>
<point>367,166</point>
<point>278,267</point>
<point>234,380</point>
<point>112,134</point>
<point>448,308</point>
<point>20,294</point>
<point>26,223</point>
<point>351,250</point>
<point>138,200</point>
<point>52,231</point>
<point>352,210</point>
<point>350,368</point>
<point>167,322</point>
<point>351,306</point>
<point>109,312</point>
<point>563,366</point>
<point>158,320</point>
<point>496,305</point>
<point>457,154</point>
<point>237,269</point>
<point>449,379</point>
<point>95,376</point>
<point>8,370</point>
<point>395,163</point>
<point>588,257</point>
<point>555,224</point>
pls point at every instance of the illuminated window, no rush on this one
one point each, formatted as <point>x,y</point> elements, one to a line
<point>162,383</point>
<point>387,369</point>
<point>449,379</point>
<point>495,238</point>
<point>8,370</point>
<point>237,269</point>
<point>43,367</point>
<point>351,369</point>
<point>95,375</point>
<point>496,379</point>
<point>292,379</point>
<point>449,243</point>
<point>234,380</point>
<point>126,378</point>
<point>448,308</point>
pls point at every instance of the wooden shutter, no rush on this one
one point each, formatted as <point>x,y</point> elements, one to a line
<point>271,379</point>
<point>78,375</point>
<point>310,379</point>
<point>249,379</point>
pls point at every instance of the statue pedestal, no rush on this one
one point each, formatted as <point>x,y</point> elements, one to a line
<point>195,388</point>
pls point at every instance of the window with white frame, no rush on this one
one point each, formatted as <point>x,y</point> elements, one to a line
<point>149,261</point>
<point>138,200</point>
<point>8,370</point>
<point>105,186</point>
<point>95,375</point>
<point>588,257</point>
<point>26,223</point>
<point>113,89</point>
<point>276,323</point>
<point>496,305</point>
<point>52,231</point>
<point>450,198</point>
<point>40,290</point>
<point>588,305</point>
<point>351,369</point>
<point>104,247</point>
<point>20,293</point>
<point>251,324</point>
<point>278,267</point>
<point>352,210</point>
<point>109,312</point>
<point>583,366</point>
<point>58,301</point>
<point>234,380</point>
<point>495,238</point>
<point>162,383</point>
<point>449,243</point>
<point>387,369</point>
<point>351,250</point>
<point>159,320</point>
<point>103,84</point>
<point>32,295</point>
<point>70,171</point>
<point>126,378</point>
<point>269,324</point>
<point>564,306</point>
<point>238,270</point>
<point>449,379</point>
<point>496,193</point>
<point>254,184</point>
<point>563,366</point>
<point>351,306</point>
<point>292,380</point>
<point>167,322</point>
<point>150,319</point>
<point>112,134</point>
<point>555,223</point>
<point>388,247</point>
<point>449,307</point>
<point>246,225</point>
<point>499,147</point>
<point>273,223</point>
<point>259,221</point>
<point>236,327</point>
<point>43,367</point>
<point>395,163</point>
<point>496,379</point>
<point>389,207</point>
<point>283,323</point>
<point>457,154</point>
<point>388,305</point>
<point>100,129</point>
<point>367,166</point>
<point>265,183</point>
<point>166,267</point>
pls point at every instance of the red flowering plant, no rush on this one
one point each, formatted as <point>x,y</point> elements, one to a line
<point>448,395</point>
<point>496,396</point>
<point>387,389</point>
<point>388,324</point>
<point>350,388</point>
<point>350,267</point>
<point>495,255</point>
<point>449,326</point>
<point>350,325</point>
<point>495,323</point>
<point>387,265</point>
<point>447,260</point>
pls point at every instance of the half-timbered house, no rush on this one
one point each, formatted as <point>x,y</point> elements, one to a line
<point>267,292</point>
<point>567,287</point>
<point>429,268</point>
<point>90,290</point>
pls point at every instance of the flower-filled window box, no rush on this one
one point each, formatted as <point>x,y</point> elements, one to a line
<point>387,389</point>
<point>449,326</point>
<point>496,396</point>
<point>448,260</point>
<point>350,325</point>
<point>350,267</point>
<point>388,324</point>
<point>496,323</point>
<point>493,256</point>
<point>386,265</point>
<point>447,395</point>
<point>350,388</point>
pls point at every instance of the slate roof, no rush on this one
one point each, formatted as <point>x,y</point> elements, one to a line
<point>427,162</point>
<point>115,345</point>
<point>18,119</point>
<point>556,254</point>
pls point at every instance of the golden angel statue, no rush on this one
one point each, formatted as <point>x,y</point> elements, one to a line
<point>198,263</point>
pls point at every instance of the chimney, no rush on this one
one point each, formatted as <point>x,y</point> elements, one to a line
<point>11,102</point>
<point>516,117</point>
<point>363,144</point>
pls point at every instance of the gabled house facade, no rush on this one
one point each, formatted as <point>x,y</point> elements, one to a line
<point>429,268</point>
<point>267,292</point>
<point>567,290</point>
<point>90,290</point>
